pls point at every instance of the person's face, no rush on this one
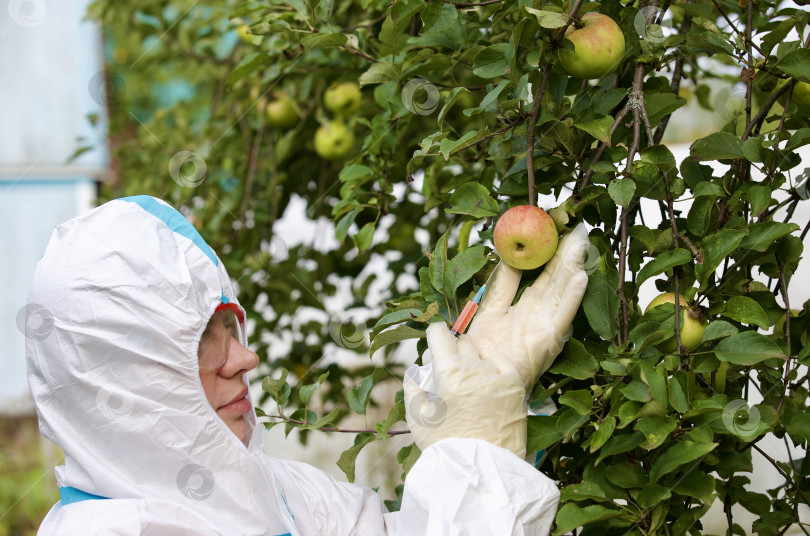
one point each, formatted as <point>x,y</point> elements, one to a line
<point>223,362</point>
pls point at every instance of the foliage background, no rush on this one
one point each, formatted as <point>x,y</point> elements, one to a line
<point>643,441</point>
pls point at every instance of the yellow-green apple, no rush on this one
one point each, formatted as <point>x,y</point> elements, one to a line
<point>691,326</point>
<point>334,140</point>
<point>801,92</point>
<point>598,47</point>
<point>342,99</point>
<point>282,112</point>
<point>525,237</point>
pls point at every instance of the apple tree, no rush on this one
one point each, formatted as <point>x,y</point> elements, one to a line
<point>452,113</point>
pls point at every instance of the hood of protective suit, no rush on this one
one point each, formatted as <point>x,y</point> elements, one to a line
<point>124,293</point>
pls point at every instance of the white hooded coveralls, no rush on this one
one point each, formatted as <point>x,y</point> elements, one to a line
<point>124,293</point>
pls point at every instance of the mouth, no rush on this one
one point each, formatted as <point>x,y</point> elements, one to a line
<point>238,404</point>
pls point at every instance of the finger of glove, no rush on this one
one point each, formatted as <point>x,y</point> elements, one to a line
<point>443,345</point>
<point>500,292</point>
<point>570,300</point>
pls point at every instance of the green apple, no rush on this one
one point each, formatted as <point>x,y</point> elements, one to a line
<point>525,237</point>
<point>598,47</point>
<point>282,112</point>
<point>801,92</point>
<point>691,325</point>
<point>342,99</point>
<point>334,140</point>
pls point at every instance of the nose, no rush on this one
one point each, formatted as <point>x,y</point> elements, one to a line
<point>240,360</point>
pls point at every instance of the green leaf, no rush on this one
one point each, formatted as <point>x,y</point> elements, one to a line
<point>491,61</point>
<point>305,392</point>
<point>636,390</point>
<point>747,311</point>
<point>252,62</point>
<point>542,432</point>
<point>799,427</point>
<point>326,420</point>
<point>718,329</point>
<point>678,392</point>
<point>364,237</point>
<point>716,248</point>
<point>323,40</point>
<point>462,267</point>
<point>747,348</point>
<point>604,431</point>
<point>348,457</point>
<point>796,63</point>
<point>762,235</point>
<point>569,422</point>
<point>716,146</point>
<point>448,147</point>
<point>359,396</point>
<point>621,191</point>
<point>655,380</point>
<point>626,476</point>
<point>580,400</point>
<point>391,336</point>
<point>656,430</point>
<point>548,19</point>
<point>571,516</point>
<point>601,305</point>
<point>599,129</point>
<point>575,362</point>
<point>677,455</point>
<point>700,215</point>
<point>663,262</point>
<point>379,73</point>
<point>438,261</point>
<point>473,199</point>
<point>619,444</point>
<point>695,484</point>
<point>451,99</point>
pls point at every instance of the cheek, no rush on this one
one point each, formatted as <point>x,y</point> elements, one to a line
<point>209,386</point>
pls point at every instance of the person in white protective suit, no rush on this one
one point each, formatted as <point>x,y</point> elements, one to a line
<point>141,379</point>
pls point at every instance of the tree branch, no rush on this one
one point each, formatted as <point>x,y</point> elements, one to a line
<point>530,134</point>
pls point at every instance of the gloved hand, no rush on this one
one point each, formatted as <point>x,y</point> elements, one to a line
<point>460,395</point>
<point>531,333</point>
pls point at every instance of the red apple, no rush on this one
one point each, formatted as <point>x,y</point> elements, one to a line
<point>598,47</point>
<point>525,237</point>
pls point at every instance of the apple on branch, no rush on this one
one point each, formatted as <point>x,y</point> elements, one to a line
<point>598,47</point>
<point>342,99</point>
<point>525,237</point>
<point>334,140</point>
<point>282,112</point>
<point>691,325</point>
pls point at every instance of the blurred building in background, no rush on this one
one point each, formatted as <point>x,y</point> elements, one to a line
<point>52,106</point>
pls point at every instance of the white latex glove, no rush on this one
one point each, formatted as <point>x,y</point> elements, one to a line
<point>531,333</point>
<point>459,395</point>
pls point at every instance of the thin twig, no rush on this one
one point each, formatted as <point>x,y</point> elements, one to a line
<point>340,430</point>
<point>783,286</point>
<point>530,134</point>
<point>781,472</point>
